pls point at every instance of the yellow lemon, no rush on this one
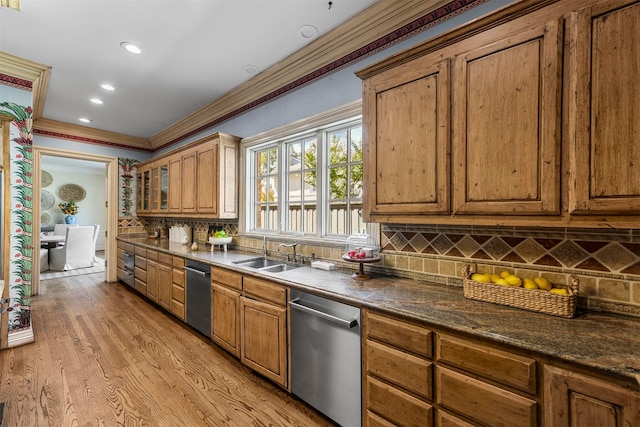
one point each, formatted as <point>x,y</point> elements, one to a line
<point>504,274</point>
<point>559,291</point>
<point>502,282</point>
<point>513,280</point>
<point>495,277</point>
<point>529,284</point>
<point>543,283</point>
<point>478,277</point>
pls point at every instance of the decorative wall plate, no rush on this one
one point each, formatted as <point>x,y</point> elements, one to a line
<point>44,219</point>
<point>72,192</point>
<point>46,200</point>
<point>46,179</point>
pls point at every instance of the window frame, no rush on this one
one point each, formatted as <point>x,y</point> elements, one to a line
<point>315,125</point>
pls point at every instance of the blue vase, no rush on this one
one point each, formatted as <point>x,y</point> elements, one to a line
<point>70,219</point>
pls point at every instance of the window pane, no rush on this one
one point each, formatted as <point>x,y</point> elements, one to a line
<point>355,182</point>
<point>338,148</point>
<point>338,183</point>
<point>273,161</point>
<point>295,157</point>
<point>310,154</point>
<point>272,195</point>
<point>356,144</point>
<point>295,187</point>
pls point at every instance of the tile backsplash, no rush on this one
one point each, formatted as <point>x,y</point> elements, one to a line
<point>606,262</point>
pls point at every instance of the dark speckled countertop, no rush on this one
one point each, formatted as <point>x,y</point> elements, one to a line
<point>603,341</point>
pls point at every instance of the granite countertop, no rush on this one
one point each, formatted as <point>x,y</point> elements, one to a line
<point>598,340</point>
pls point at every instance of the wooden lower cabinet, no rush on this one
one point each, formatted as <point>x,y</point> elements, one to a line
<point>177,287</point>
<point>482,402</point>
<point>165,285</point>
<point>152,280</point>
<point>264,339</point>
<point>398,383</point>
<point>226,288</point>
<point>575,399</point>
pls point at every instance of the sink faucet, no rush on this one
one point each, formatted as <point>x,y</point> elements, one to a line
<point>264,246</point>
<point>289,245</point>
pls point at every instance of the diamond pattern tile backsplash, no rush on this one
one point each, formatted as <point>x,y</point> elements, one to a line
<point>607,262</point>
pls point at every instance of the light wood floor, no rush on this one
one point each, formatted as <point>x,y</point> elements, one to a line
<point>103,356</point>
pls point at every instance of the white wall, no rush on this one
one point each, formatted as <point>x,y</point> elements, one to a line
<point>91,210</point>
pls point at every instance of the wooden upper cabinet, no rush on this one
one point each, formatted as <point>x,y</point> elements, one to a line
<point>198,179</point>
<point>175,181</point>
<point>406,114</point>
<point>506,124</point>
<point>189,181</point>
<point>604,117</point>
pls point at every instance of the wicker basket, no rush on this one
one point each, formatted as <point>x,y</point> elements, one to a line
<point>528,299</point>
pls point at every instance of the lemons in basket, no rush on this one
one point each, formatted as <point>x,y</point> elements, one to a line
<point>479,277</point>
<point>543,283</point>
<point>529,284</point>
<point>504,274</point>
<point>513,280</point>
<point>502,282</point>
<point>495,277</point>
<point>559,291</point>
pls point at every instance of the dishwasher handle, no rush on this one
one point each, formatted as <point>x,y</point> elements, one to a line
<point>344,322</point>
<point>196,271</point>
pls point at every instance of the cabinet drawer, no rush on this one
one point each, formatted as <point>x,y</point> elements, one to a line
<point>120,263</point>
<point>444,419</point>
<point>152,255</point>
<point>483,402</point>
<point>127,247</point>
<point>227,278</point>
<point>178,277</point>
<point>177,293</point>
<point>402,369</point>
<point>396,406</point>
<point>506,368</point>
<point>165,258</point>
<point>140,262</point>
<point>141,286</point>
<point>141,251</point>
<point>121,253</point>
<point>140,274</point>
<point>178,262</point>
<point>177,308</point>
<point>406,336</point>
<point>265,291</point>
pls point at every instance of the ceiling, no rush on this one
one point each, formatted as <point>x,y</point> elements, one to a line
<point>193,52</point>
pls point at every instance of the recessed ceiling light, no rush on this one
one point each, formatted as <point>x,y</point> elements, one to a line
<point>251,69</point>
<point>107,86</point>
<point>308,31</point>
<point>84,120</point>
<point>131,47</point>
<point>97,101</point>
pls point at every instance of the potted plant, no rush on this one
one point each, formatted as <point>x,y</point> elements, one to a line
<point>70,209</point>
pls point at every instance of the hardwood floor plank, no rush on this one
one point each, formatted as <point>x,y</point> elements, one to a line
<point>104,356</point>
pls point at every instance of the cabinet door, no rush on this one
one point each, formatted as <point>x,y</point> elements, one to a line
<point>189,181</point>
<point>264,339</point>
<point>207,187</point>
<point>175,184</point>
<point>154,190</point>
<point>604,118</point>
<point>506,125</point>
<point>152,280</point>
<point>573,399</point>
<point>165,285</point>
<point>225,318</point>
<point>406,114</point>
<point>177,291</point>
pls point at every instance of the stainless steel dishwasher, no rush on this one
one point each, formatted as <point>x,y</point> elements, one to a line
<point>198,296</point>
<point>325,356</point>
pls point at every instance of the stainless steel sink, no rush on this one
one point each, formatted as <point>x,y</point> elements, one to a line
<point>266,264</point>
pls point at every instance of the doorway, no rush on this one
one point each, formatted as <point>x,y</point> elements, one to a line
<point>109,165</point>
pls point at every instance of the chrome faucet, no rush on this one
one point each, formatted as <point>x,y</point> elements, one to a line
<point>264,246</point>
<point>289,245</point>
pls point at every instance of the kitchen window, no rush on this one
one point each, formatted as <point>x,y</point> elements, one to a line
<point>308,183</point>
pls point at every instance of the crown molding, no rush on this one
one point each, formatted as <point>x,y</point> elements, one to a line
<point>37,74</point>
<point>62,130</point>
<point>376,21</point>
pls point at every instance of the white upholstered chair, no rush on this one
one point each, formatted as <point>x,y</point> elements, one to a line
<point>96,229</point>
<point>76,253</point>
<point>44,259</point>
<point>61,229</point>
